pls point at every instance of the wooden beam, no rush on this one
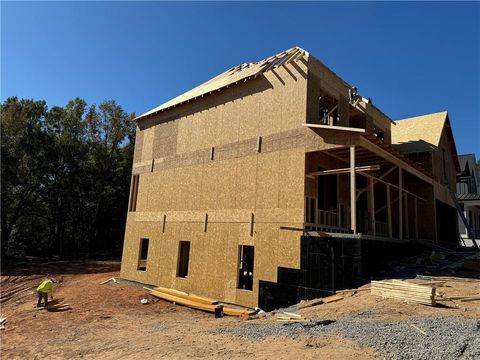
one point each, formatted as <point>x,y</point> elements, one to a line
<point>389,212</point>
<point>415,212</point>
<point>400,207</point>
<point>353,200</point>
<point>392,185</point>
<point>407,224</point>
<point>329,127</point>
<point>365,143</point>
<point>345,170</point>
<point>372,204</point>
<point>377,179</point>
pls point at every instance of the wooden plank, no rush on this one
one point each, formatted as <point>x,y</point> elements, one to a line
<point>419,330</point>
<point>292,315</point>
<point>400,206</point>
<point>184,295</point>
<point>415,214</point>
<point>106,281</point>
<point>333,298</point>
<point>183,301</point>
<point>236,312</point>
<point>389,212</point>
<point>473,298</point>
<point>407,223</point>
<point>329,127</point>
<point>353,201</point>
<point>344,170</point>
<point>371,204</point>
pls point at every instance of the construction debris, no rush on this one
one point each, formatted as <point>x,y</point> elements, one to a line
<point>198,302</point>
<point>402,290</point>
<point>288,316</point>
<point>332,298</point>
<point>3,321</point>
<point>419,330</point>
<point>107,281</point>
<point>325,300</point>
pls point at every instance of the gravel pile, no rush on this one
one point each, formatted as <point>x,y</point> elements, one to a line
<point>447,337</point>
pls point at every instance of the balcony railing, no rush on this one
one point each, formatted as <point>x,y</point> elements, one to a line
<point>327,221</point>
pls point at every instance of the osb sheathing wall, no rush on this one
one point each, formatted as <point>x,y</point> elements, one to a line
<point>238,179</point>
<point>441,191</point>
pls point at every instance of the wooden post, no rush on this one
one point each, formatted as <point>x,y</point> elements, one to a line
<point>400,207</point>
<point>389,213</point>
<point>164,221</point>
<point>353,190</point>
<point>415,203</point>
<point>407,224</point>
<point>372,204</point>
<point>205,224</point>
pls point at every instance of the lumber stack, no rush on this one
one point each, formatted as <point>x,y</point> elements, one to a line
<point>196,302</point>
<point>402,290</point>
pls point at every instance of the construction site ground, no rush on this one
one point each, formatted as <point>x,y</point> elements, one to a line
<point>110,322</point>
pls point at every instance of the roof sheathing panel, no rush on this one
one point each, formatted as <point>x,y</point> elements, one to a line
<point>233,76</point>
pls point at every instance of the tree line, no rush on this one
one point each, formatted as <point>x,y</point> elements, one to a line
<point>65,175</point>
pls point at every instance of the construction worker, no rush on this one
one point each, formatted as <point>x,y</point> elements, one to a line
<point>45,288</point>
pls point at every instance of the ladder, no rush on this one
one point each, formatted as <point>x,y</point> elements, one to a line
<point>470,234</point>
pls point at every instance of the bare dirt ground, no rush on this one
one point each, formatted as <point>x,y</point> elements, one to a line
<point>109,322</point>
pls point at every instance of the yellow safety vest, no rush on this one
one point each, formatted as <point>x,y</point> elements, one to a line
<point>45,287</point>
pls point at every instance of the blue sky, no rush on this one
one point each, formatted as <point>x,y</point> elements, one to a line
<point>409,58</point>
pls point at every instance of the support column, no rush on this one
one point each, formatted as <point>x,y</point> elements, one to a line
<point>415,203</point>
<point>407,224</point>
<point>389,213</point>
<point>400,206</point>
<point>371,203</point>
<point>353,191</point>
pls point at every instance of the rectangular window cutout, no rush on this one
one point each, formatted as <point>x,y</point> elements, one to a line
<point>183,258</point>
<point>143,254</point>
<point>133,193</point>
<point>245,268</point>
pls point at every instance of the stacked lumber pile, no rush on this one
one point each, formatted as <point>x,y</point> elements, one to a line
<point>402,290</point>
<point>197,302</point>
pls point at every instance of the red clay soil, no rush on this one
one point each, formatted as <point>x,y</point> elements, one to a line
<point>109,322</point>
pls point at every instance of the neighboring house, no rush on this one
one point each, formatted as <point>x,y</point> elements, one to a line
<point>468,193</point>
<point>275,182</point>
<point>428,140</point>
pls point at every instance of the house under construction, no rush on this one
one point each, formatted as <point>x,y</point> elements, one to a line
<point>276,181</point>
